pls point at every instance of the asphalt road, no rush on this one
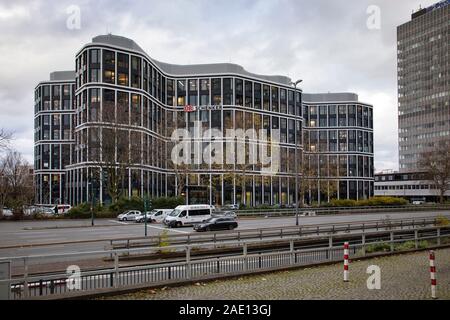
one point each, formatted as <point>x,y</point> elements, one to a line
<point>38,232</point>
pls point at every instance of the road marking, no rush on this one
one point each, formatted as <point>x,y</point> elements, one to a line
<point>120,222</point>
<point>161,228</point>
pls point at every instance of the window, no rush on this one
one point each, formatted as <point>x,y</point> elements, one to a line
<point>239,92</point>
<point>193,92</point>
<point>94,56</point>
<point>181,92</point>
<point>249,94</point>
<point>122,79</point>
<point>170,92</point>
<point>283,101</point>
<point>275,107</point>
<point>203,212</point>
<point>109,66</point>
<point>216,91</point>
<point>123,69</point>
<point>135,72</point>
<point>266,97</point>
<point>257,95</point>
<point>227,91</point>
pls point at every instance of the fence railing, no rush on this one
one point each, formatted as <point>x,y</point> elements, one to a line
<point>339,210</point>
<point>112,278</point>
<point>272,233</point>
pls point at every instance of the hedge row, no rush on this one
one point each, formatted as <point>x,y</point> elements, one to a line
<point>83,211</point>
<point>371,202</point>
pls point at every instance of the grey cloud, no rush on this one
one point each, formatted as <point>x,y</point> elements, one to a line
<point>324,42</point>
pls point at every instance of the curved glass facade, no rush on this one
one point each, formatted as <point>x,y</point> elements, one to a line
<point>54,143</point>
<point>239,135</point>
<point>338,142</point>
<point>123,94</point>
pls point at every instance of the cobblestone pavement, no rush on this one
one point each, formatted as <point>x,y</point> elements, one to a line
<point>403,277</point>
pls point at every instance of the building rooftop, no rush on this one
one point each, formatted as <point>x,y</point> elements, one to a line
<point>62,76</point>
<point>330,97</point>
<point>189,70</point>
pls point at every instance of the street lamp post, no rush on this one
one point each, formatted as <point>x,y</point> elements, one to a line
<point>295,84</point>
<point>91,184</point>
<point>147,206</point>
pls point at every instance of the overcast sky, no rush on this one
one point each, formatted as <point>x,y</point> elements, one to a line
<point>327,43</point>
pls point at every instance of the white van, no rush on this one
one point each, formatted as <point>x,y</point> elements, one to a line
<point>158,215</point>
<point>188,215</point>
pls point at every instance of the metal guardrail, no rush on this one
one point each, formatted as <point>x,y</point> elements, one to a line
<point>271,233</point>
<point>55,285</point>
<point>340,210</point>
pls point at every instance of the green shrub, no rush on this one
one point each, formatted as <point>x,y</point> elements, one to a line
<point>371,202</point>
<point>408,245</point>
<point>124,204</point>
<point>423,244</point>
<point>82,211</point>
<point>343,203</point>
<point>442,221</point>
<point>163,241</point>
<point>377,247</point>
<point>168,202</point>
<point>384,201</point>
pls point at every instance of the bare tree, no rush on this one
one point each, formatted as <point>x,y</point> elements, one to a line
<point>110,149</point>
<point>436,165</point>
<point>5,138</point>
<point>16,182</point>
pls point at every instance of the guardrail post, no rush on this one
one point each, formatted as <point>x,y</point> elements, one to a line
<point>392,242</point>
<point>188,239</point>
<point>188,262</point>
<point>245,257</point>
<point>377,225</point>
<point>41,285</point>
<point>260,234</point>
<point>330,246</point>
<point>218,265</point>
<point>363,243</point>
<point>25,277</point>
<point>281,233</point>
<point>116,270</point>
<point>291,245</point>
<point>438,235</point>
<point>416,239</point>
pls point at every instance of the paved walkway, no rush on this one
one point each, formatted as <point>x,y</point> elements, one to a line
<point>403,277</point>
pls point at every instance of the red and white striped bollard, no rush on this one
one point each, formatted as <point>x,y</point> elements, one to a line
<point>346,245</point>
<point>433,275</point>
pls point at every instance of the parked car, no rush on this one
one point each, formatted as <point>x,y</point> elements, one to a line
<point>6,212</point>
<point>129,215</point>
<point>217,223</point>
<point>231,207</point>
<point>62,208</point>
<point>44,211</point>
<point>308,214</point>
<point>229,214</point>
<point>141,217</point>
<point>158,215</point>
<point>188,215</point>
<point>418,202</point>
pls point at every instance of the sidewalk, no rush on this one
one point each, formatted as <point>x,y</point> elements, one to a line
<point>403,277</point>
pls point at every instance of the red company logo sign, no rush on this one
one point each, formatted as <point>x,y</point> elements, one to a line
<point>189,108</point>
